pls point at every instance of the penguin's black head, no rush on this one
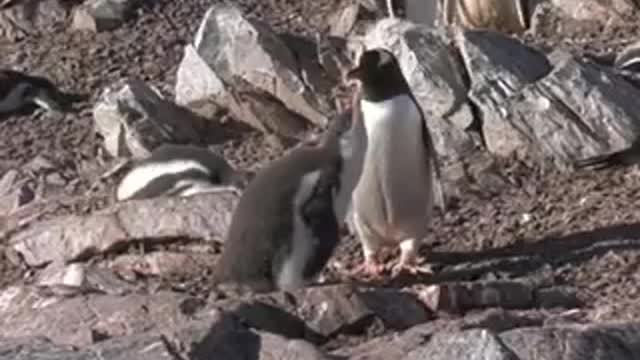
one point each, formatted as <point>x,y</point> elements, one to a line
<point>375,62</point>
<point>380,74</point>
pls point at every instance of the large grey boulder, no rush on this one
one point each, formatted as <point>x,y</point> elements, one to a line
<point>557,106</point>
<point>134,118</point>
<point>76,237</point>
<point>597,342</point>
<point>470,344</point>
<point>234,58</point>
<point>102,15</point>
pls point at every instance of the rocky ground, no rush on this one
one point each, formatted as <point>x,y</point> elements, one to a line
<point>580,229</point>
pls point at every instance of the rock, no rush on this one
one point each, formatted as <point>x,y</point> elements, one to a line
<point>577,111</point>
<point>344,19</point>
<point>229,340</point>
<point>398,310</point>
<point>425,12</point>
<point>470,344</point>
<point>38,347</point>
<point>207,94</point>
<point>597,342</point>
<point>558,296</point>
<point>14,192</point>
<point>102,15</point>
<point>237,47</point>
<point>266,314</point>
<point>213,332</point>
<point>76,237</point>
<point>456,297</point>
<point>333,57</point>
<point>595,10</point>
<point>334,309</point>
<point>383,347</point>
<point>397,346</point>
<point>435,78</point>
<point>31,18</point>
<point>277,347</point>
<point>163,263</point>
<point>134,119</point>
<point>498,65</point>
<point>197,85</point>
<point>265,112</point>
<point>342,309</point>
<point>499,15</point>
<point>57,273</point>
<point>8,181</point>
<point>84,320</point>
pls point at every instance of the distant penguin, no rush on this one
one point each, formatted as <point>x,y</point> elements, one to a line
<point>627,157</point>
<point>400,182</point>
<point>498,15</point>
<point>18,90</point>
<point>286,224</point>
<point>178,170</point>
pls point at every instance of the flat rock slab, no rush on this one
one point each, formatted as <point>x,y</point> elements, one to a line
<point>469,345</point>
<point>215,335</point>
<point>204,217</point>
<point>597,342</point>
<point>84,320</point>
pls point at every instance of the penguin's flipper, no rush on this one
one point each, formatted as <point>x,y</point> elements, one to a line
<point>434,170</point>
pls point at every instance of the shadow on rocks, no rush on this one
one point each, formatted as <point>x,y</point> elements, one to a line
<point>224,343</point>
<point>526,257</point>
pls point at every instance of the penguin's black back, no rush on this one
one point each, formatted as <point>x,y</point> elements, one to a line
<point>260,233</point>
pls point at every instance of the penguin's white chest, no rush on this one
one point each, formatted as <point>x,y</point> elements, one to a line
<point>394,191</point>
<point>394,131</point>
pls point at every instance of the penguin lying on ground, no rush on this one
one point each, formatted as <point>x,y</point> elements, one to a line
<point>19,90</point>
<point>626,157</point>
<point>178,170</point>
<point>286,224</point>
<point>400,182</point>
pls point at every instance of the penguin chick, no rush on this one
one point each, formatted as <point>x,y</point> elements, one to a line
<point>178,170</point>
<point>626,157</point>
<point>18,90</point>
<point>286,224</point>
<point>400,182</point>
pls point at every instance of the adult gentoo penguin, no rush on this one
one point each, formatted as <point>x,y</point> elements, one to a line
<point>18,90</point>
<point>400,182</point>
<point>286,224</point>
<point>178,170</point>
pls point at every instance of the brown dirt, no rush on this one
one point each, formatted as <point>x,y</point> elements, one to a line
<point>585,226</point>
